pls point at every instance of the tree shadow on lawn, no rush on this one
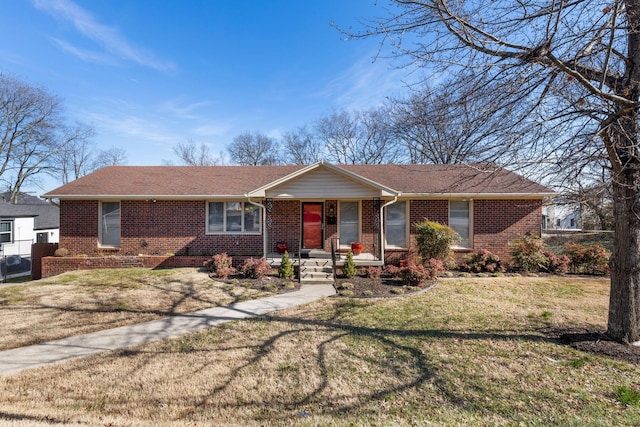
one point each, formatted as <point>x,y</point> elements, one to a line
<point>408,365</point>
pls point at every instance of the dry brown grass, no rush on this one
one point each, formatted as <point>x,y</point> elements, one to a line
<point>469,352</point>
<point>86,301</point>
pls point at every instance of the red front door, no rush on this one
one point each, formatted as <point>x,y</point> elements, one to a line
<point>312,225</point>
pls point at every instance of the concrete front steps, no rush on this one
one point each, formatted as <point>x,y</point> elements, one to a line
<point>316,271</point>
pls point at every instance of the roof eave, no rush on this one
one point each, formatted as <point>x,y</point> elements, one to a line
<point>477,195</point>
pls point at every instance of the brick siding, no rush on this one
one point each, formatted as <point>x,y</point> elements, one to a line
<point>161,228</point>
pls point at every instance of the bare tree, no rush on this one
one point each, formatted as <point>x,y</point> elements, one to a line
<point>302,147</point>
<point>565,65</point>
<point>32,132</point>
<point>193,154</point>
<point>443,125</point>
<point>254,149</point>
<point>357,137</point>
<point>113,156</point>
<point>75,158</point>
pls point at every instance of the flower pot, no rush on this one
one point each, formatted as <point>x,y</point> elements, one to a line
<point>356,248</point>
<point>281,247</point>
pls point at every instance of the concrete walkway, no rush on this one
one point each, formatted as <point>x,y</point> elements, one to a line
<point>19,359</point>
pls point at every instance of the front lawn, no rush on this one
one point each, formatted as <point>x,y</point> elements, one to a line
<point>471,351</point>
<point>87,301</point>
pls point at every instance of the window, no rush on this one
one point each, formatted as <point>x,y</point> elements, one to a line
<point>396,225</point>
<point>349,226</point>
<point>460,221</point>
<point>110,224</point>
<point>233,217</point>
<point>6,231</point>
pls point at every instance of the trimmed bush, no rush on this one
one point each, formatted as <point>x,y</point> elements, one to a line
<point>349,267</point>
<point>286,268</point>
<point>415,274</point>
<point>593,259</point>
<point>392,270</point>
<point>434,240</point>
<point>482,262</point>
<point>255,268</point>
<point>373,272</point>
<point>556,264</point>
<point>220,265</point>
<point>528,253</point>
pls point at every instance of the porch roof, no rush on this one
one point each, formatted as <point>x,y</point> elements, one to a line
<point>211,182</point>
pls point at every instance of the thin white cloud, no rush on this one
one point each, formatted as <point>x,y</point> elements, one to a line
<point>107,37</point>
<point>85,55</point>
<point>211,129</point>
<point>183,111</point>
<point>131,126</point>
<point>365,84</point>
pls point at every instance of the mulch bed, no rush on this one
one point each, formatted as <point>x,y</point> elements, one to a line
<point>384,287</point>
<point>596,343</point>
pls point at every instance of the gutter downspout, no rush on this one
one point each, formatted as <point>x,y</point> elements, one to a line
<point>382,235</point>
<point>264,224</point>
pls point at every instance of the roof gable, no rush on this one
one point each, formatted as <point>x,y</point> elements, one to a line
<point>317,180</point>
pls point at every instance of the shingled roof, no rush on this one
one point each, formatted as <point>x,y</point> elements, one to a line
<point>236,181</point>
<point>46,215</point>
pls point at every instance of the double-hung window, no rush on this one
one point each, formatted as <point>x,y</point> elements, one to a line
<point>349,225</point>
<point>396,225</point>
<point>110,224</point>
<point>6,231</point>
<point>233,217</point>
<point>460,221</point>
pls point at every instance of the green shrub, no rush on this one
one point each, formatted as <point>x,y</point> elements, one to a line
<point>288,285</point>
<point>286,268</point>
<point>220,265</point>
<point>434,240</point>
<point>349,267</point>
<point>345,285</point>
<point>397,291</point>
<point>482,262</point>
<point>346,293</point>
<point>593,259</point>
<point>528,253</point>
<point>255,268</point>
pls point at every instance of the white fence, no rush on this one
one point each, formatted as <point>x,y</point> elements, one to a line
<point>15,259</point>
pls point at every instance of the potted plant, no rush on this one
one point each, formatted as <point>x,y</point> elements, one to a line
<point>282,247</point>
<point>356,248</point>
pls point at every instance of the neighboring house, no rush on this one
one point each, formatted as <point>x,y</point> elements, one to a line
<point>561,215</point>
<point>251,210</point>
<point>30,220</point>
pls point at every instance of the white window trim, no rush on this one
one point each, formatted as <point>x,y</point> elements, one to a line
<point>100,244</point>
<point>11,235</point>
<point>347,245</point>
<point>470,201</point>
<point>224,219</point>
<point>406,225</point>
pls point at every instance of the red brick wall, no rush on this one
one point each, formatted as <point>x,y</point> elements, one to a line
<point>52,266</point>
<point>285,225</point>
<point>497,222</point>
<point>151,228</point>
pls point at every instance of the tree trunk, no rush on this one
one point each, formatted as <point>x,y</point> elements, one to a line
<point>624,302</point>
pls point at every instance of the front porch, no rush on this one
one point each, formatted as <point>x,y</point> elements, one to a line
<point>364,259</point>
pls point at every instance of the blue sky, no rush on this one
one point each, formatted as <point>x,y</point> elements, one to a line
<point>148,74</point>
